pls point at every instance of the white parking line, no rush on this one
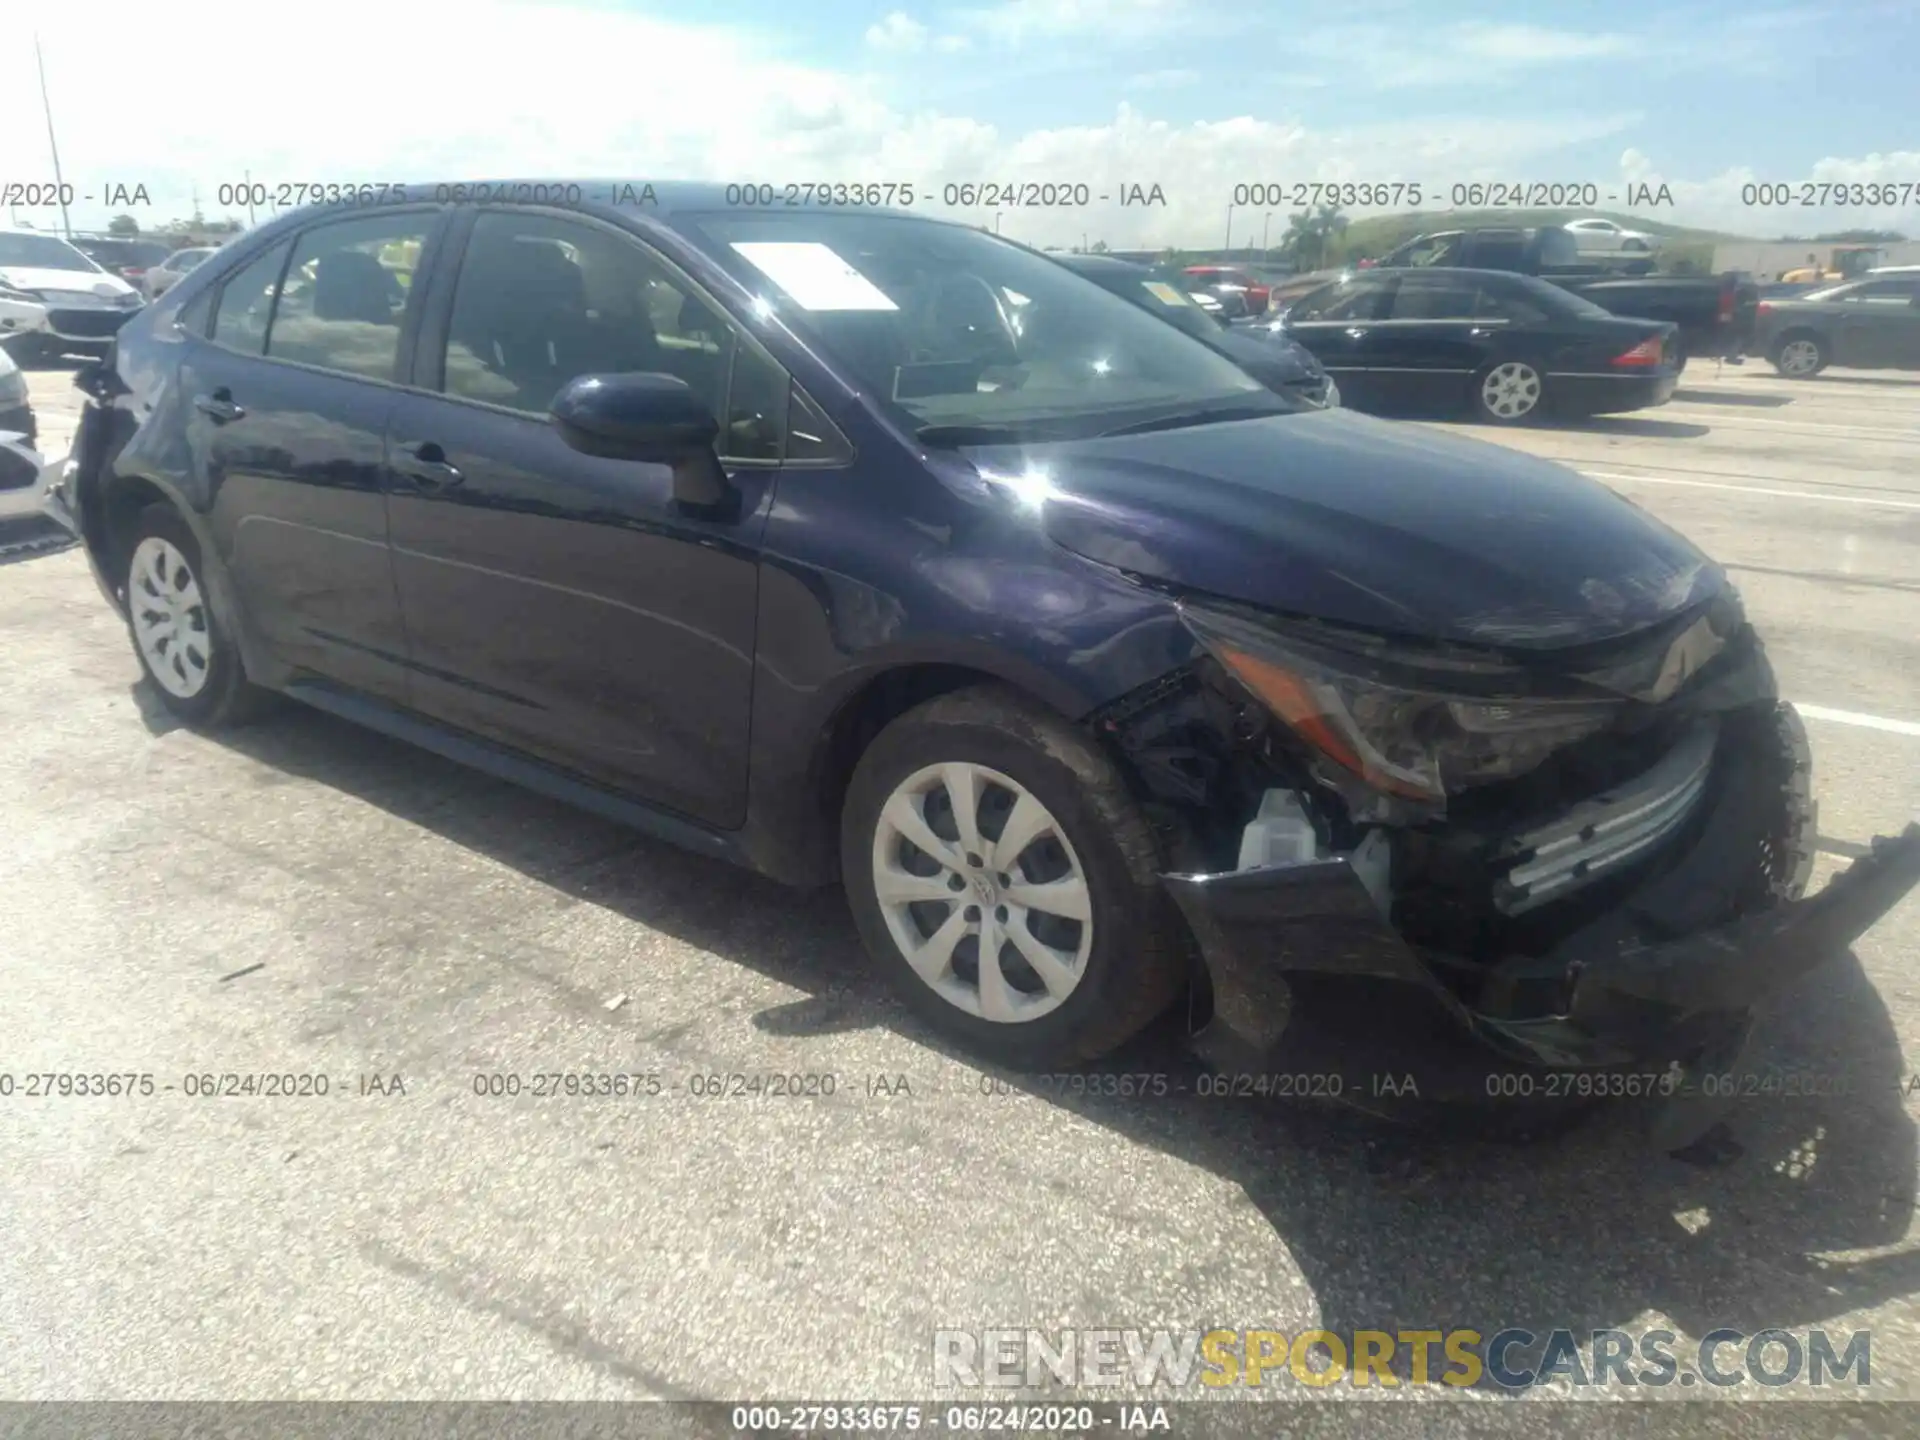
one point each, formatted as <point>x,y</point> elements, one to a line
<point>1756,490</point>
<point>1854,717</point>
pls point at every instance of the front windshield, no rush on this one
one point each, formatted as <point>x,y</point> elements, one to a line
<point>1161,293</point>
<point>957,328</point>
<point>42,252</point>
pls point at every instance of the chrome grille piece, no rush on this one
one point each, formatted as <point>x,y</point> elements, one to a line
<point>1598,836</point>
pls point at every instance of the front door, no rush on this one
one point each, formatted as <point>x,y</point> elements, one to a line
<point>1334,323</point>
<point>557,602</point>
<point>1876,323</point>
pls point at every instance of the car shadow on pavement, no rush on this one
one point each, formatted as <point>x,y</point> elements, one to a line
<point>1392,1227</point>
<point>1723,397</point>
<point>1618,425</point>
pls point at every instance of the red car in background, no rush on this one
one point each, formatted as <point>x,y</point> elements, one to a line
<point>1215,275</point>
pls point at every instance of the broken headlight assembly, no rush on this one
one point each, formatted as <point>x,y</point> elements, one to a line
<point>1419,723</point>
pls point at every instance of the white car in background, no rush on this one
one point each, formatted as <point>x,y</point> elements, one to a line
<point>23,477</point>
<point>1604,237</point>
<point>160,278</point>
<point>81,306</point>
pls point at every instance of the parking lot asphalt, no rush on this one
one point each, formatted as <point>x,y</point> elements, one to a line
<point>302,897</point>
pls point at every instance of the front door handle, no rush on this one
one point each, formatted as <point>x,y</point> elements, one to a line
<point>427,466</point>
<point>1358,332</point>
<point>219,406</point>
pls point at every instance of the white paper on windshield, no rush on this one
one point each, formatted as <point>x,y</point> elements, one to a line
<point>1166,294</point>
<point>814,275</point>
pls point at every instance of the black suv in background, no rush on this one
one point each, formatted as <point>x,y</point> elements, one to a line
<point>860,546</point>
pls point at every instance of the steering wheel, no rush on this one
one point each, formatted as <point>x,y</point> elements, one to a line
<point>969,311</point>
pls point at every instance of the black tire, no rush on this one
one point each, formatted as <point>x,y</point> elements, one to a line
<point>227,698</point>
<point>1484,410</point>
<point>1822,353</point>
<point>1135,965</point>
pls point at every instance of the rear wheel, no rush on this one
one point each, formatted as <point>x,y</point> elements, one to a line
<point>1509,393</point>
<point>193,664</point>
<point>1800,356</point>
<point>1004,880</point>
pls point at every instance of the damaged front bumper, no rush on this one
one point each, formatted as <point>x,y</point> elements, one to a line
<point>1665,975</point>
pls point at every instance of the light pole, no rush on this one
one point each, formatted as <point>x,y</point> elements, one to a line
<point>59,182</point>
<point>996,221</point>
<point>1229,245</point>
<point>1263,234</point>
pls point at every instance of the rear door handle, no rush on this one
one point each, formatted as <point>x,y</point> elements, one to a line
<point>219,406</point>
<point>426,465</point>
<point>1357,332</point>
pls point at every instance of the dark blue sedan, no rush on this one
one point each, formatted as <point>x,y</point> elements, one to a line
<point>867,548</point>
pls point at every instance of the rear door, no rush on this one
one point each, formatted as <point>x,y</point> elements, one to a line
<point>1334,323</point>
<point>286,404</point>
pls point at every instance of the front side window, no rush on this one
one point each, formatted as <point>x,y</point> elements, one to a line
<point>542,300</point>
<point>1429,250</point>
<point>246,302</point>
<point>346,292</point>
<point>952,327</point>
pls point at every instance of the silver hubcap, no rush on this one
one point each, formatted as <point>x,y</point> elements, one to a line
<point>1799,357</point>
<point>982,892</point>
<point>169,618</point>
<point>1511,390</point>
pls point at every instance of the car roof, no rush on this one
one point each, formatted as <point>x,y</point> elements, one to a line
<point>1895,270</point>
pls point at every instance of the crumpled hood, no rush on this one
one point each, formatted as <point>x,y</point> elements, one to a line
<point>1395,528</point>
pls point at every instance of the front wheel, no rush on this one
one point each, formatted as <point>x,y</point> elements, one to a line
<point>1003,878</point>
<point>1509,393</point>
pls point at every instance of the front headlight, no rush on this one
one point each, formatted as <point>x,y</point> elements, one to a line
<point>130,301</point>
<point>14,292</point>
<point>1414,724</point>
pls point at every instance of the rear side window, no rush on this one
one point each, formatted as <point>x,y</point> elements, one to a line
<point>1434,297</point>
<point>246,303</point>
<point>1510,303</point>
<point>1343,300</point>
<point>346,293</point>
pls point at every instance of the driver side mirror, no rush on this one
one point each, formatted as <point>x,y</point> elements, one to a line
<point>647,417</point>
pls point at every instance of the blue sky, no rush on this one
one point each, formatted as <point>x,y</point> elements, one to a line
<point>1195,94</point>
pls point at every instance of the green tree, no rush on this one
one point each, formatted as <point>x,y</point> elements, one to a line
<point>1313,237</point>
<point>124,225</point>
<point>1099,247</point>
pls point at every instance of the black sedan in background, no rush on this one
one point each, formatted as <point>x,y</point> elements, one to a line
<point>1872,324</point>
<point>1268,355</point>
<point>1509,347</point>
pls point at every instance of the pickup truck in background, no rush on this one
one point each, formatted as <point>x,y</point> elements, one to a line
<point>1715,314</point>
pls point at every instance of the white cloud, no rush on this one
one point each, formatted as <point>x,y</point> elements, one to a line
<point>632,97</point>
<point>1388,57</point>
<point>1728,201</point>
<point>899,32</point>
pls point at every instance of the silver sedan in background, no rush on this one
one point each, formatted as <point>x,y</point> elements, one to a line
<point>160,278</point>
